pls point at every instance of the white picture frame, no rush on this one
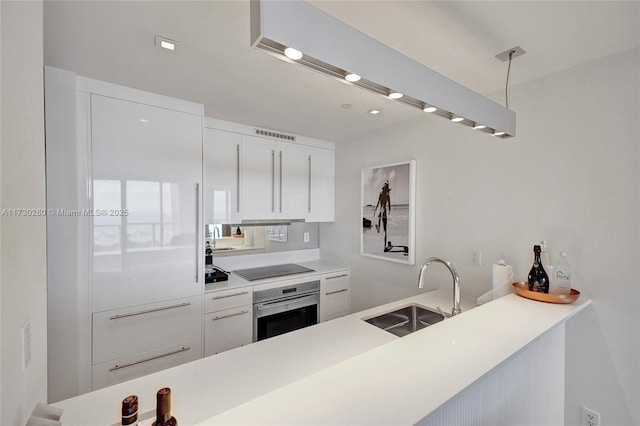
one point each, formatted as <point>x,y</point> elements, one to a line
<point>387,231</point>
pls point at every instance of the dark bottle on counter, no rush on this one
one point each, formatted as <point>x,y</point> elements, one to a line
<point>538,278</point>
<point>130,411</point>
<point>163,409</point>
<point>208,254</point>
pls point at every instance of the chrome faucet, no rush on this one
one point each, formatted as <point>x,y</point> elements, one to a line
<point>456,281</point>
<point>215,230</point>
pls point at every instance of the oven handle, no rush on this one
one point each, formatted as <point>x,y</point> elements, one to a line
<point>286,298</point>
<point>278,306</point>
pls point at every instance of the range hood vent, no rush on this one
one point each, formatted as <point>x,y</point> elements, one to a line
<point>276,135</point>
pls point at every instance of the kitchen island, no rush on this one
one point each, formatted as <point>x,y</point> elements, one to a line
<point>346,371</point>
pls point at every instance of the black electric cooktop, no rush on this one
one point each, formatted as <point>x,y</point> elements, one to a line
<point>254,274</point>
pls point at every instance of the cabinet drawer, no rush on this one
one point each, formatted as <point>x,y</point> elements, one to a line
<point>127,368</point>
<point>226,299</point>
<point>227,329</point>
<point>129,331</point>
<point>335,295</point>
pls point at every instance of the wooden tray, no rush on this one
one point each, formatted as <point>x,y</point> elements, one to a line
<point>522,289</point>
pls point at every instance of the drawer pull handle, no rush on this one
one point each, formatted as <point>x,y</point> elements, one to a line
<point>181,305</point>
<point>337,291</point>
<point>229,316</point>
<point>337,276</point>
<point>118,367</point>
<point>229,295</point>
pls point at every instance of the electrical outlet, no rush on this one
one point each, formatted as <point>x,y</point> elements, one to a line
<point>476,257</point>
<point>26,344</point>
<point>306,237</point>
<point>590,417</point>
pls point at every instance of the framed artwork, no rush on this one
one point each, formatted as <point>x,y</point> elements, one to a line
<point>388,212</point>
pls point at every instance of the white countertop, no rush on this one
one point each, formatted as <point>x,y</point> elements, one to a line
<point>366,375</point>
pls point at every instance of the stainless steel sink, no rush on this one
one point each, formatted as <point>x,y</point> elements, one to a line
<point>406,320</point>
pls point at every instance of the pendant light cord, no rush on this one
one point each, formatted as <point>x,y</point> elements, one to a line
<point>507,95</point>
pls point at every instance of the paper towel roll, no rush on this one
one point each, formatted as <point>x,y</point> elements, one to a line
<point>502,274</point>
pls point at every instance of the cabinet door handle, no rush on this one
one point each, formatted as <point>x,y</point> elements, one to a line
<point>118,367</point>
<point>280,181</point>
<point>238,178</point>
<point>148,311</point>
<point>337,291</point>
<point>229,295</point>
<point>273,181</point>
<point>229,316</point>
<point>197,230</point>
<point>337,276</point>
<point>309,191</point>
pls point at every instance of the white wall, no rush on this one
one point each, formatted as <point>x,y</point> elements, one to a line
<point>22,244</point>
<point>570,177</point>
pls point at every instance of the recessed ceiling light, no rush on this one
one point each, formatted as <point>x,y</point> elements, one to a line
<point>430,109</point>
<point>292,53</point>
<point>498,134</point>
<point>166,43</point>
<point>395,95</point>
<point>374,111</point>
<point>457,119</point>
<point>479,126</point>
<point>352,77</point>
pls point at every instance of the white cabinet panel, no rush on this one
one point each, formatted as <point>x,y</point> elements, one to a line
<point>274,179</point>
<point>146,165</point>
<point>222,176</point>
<point>228,322</point>
<point>116,371</point>
<point>321,202</point>
<point>227,329</point>
<point>258,196</point>
<point>221,300</point>
<point>335,295</point>
<point>123,332</point>
<point>292,181</point>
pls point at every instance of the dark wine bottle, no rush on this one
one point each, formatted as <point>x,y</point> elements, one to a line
<point>163,409</point>
<point>130,411</point>
<point>538,278</point>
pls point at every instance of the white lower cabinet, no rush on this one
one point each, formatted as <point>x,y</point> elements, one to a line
<point>139,340</point>
<point>228,320</point>
<point>127,368</point>
<point>335,295</point>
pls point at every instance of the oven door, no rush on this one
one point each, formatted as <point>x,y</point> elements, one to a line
<point>282,316</point>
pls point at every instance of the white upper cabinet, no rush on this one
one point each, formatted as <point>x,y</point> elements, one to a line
<point>274,179</point>
<point>292,181</point>
<point>257,175</point>
<point>147,169</point>
<point>321,185</point>
<point>222,176</point>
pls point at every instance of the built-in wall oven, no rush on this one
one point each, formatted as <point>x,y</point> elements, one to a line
<point>284,309</point>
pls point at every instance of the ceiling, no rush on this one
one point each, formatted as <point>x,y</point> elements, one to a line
<point>215,65</point>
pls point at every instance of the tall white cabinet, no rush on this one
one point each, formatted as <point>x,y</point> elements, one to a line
<point>124,177</point>
<point>146,176</point>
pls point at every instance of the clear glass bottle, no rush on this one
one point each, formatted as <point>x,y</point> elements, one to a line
<point>538,279</point>
<point>561,283</point>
